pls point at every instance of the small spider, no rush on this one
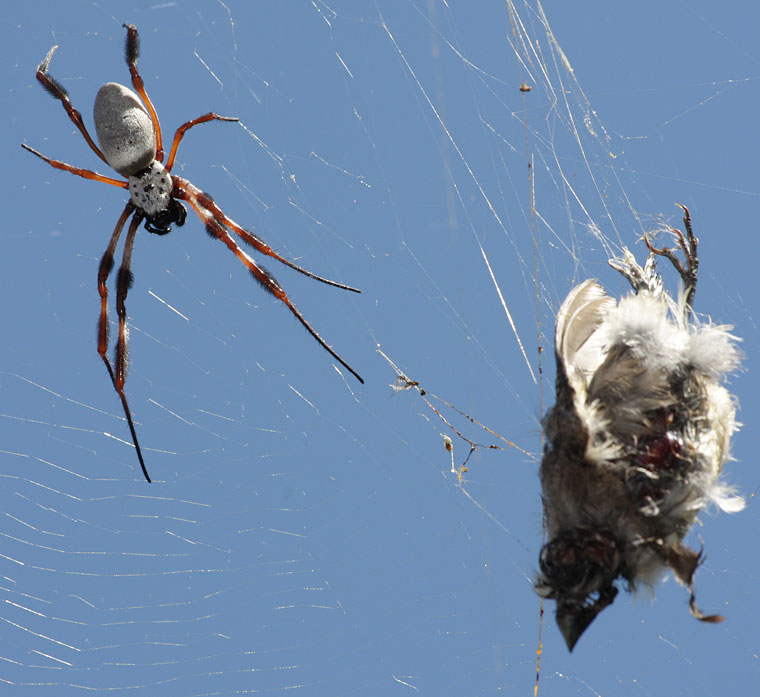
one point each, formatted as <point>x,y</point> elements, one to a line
<point>131,144</point>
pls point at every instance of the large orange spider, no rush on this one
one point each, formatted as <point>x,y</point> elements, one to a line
<point>130,143</point>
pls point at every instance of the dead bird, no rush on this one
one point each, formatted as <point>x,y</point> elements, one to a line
<point>637,439</point>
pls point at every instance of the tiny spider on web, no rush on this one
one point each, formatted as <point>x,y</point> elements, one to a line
<point>130,141</point>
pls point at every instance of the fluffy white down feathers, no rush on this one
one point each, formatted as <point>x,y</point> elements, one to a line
<point>650,325</point>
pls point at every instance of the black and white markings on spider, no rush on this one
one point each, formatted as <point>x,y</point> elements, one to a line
<point>131,143</point>
<point>151,190</point>
<point>636,441</point>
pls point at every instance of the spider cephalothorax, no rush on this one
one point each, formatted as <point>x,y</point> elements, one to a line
<point>131,143</point>
<point>636,440</point>
<point>151,190</point>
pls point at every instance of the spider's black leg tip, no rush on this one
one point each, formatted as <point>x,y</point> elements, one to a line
<point>144,468</point>
<point>352,371</point>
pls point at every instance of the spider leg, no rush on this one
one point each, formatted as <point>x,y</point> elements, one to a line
<point>123,282</point>
<point>86,173</point>
<point>104,270</point>
<point>211,116</point>
<point>267,281</point>
<point>58,91</point>
<point>255,241</point>
<point>132,52</point>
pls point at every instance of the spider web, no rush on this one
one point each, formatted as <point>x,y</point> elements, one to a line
<point>302,532</point>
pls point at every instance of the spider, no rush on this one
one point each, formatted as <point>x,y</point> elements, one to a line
<point>130,141</point>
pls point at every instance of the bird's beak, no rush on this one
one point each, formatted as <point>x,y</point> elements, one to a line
<point>573,620</point>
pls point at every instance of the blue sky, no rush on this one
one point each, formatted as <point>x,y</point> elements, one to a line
<point>303,530</point>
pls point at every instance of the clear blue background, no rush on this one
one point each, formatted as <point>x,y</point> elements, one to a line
<point>304,531</point>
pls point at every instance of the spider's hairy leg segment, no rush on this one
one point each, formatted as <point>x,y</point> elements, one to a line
<point>104,269</point>
<point>215,229</point>
<point>185,127</point>
<point>262,275</point>
<point>207,202</point>
<point>131,53</point>
<point>124,280</point>
<point>56,90</point>
<point>86,173</point>
<point>131,44</point>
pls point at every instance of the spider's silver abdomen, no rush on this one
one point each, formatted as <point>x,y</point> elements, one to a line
<point>151,189</point>
<point>125,131</point>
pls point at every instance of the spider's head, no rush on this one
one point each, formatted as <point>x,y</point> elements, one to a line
<point>161,222</point>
